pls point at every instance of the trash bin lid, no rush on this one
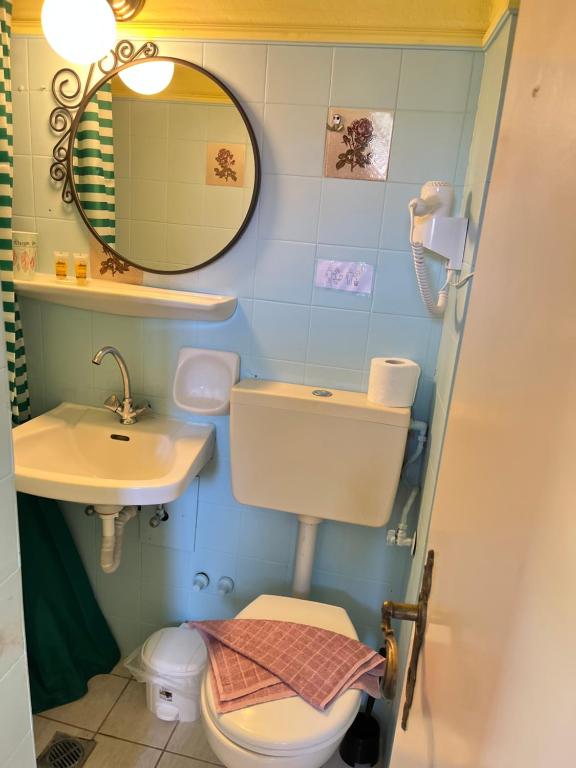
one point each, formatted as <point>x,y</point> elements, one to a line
<point>176,651</point>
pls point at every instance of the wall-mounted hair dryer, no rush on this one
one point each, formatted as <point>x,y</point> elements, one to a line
<point>433,227</point>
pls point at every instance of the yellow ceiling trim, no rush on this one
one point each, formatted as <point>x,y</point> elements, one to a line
<point>498,9</point>
<point>392,22</point>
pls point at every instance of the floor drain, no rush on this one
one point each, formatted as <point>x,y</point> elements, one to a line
<point>65,752</point>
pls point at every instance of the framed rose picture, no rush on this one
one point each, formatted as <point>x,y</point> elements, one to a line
<point>358,146</point>
<point>225,164</point>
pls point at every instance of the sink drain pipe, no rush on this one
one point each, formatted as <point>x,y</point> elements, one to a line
<point>114,518</point>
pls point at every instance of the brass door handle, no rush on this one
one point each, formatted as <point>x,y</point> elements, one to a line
<point>406,612</point>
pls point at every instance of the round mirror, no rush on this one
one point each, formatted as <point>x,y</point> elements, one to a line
<point>166,179</point>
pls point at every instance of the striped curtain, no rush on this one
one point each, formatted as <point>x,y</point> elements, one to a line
<point>94,165</point>
<point>15,353</point>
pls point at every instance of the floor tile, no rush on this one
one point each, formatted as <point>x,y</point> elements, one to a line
<point>130,719</point>
<point>90,711</point>
<point>190,740</point>
<point>177,761</point>
<point>45,729</point>
<point>120,670</point>
<point>114,753</point>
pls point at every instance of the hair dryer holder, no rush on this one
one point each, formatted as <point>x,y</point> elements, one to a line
<point>433,226</point>
<point>446,236</point>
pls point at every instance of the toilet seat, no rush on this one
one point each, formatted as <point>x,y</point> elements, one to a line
<point>290,726</point>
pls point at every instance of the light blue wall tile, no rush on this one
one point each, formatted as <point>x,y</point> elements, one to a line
<point>425,146</point>
<point>356,551</point>
<point>396,290</point>
<point>337,338</point>
<point>9,556</point>
<point>289,208</point>
<point>268,535</point>
<point>167,567</point>
<point>23,204</point>
<point>328,297</point>
<point>257,577</point>
<point>424,396</point>
<point>298,74</point>
<point>232,335</point>
<point>242,67</point>
<point>280,330</point>
<point>233,273</point>
<point>284,271</point>
<point>180,530</point>
<point>351,212</point>
<point>333,378</point>
<point>218,527</point>
<point>14,709</point>
<point>67,347</point>
<point>396,220</point>
<point>216,484</point>
<point>275,370</point>
<point>464,151</point>
<point>163,605</point>
<point>25,754</point>
<point>475,81</point>
<point>435,80</point>
<point>294,139</point>
<point>205,605</point>
<point>365,77</point>
<point>21,121</point>
<point>394,336</point>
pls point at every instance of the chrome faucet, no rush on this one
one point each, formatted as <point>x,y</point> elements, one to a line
<point>127,412</point>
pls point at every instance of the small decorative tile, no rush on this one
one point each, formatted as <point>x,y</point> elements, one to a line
<point>358,144</point>
<point>225,164</point>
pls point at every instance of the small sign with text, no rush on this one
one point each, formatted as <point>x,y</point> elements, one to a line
<point>351,276</point>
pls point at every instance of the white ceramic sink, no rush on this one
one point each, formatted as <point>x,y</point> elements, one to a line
<point>82,454</point>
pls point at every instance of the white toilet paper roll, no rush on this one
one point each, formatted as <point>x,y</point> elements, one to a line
<point>393,381</point>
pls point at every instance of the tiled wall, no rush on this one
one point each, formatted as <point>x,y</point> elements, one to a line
<point>167,216</point>
<point>284,328</point>
<point>16,740</point>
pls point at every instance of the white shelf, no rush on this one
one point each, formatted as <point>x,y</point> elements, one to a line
<point>127,299</point>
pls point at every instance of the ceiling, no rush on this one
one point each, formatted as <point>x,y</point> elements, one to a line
<point>404,22</point>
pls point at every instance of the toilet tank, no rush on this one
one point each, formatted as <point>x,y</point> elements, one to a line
<point>329,454</point>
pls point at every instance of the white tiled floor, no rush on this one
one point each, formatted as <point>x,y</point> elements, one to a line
<point>127,735</point>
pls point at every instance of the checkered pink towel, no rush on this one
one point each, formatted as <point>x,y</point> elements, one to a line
<point>254,660</point>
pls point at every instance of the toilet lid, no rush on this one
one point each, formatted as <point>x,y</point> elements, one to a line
<point>291,725</point>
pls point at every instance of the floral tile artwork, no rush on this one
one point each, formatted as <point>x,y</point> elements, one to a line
<point>360,149</point>
<point>225,164</point>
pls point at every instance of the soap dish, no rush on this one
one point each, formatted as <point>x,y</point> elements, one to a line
<point>203,380</point>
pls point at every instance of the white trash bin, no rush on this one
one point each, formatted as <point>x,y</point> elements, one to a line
<point>171,663</point>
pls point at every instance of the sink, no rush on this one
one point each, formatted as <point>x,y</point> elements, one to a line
<point>83,454</point>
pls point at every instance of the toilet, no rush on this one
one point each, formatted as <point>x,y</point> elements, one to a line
<point>322,455</point>
<point>288,732</point>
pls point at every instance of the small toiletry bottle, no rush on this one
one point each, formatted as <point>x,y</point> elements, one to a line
<point>81,267</point>
<point>61,264</point>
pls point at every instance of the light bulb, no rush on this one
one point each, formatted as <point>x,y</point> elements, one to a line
<point>148,77</point>
<point>82,32</point>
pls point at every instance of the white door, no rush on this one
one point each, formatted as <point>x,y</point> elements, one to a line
<point>497,680</point>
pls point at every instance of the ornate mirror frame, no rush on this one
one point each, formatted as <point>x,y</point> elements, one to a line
<point>72,100</point>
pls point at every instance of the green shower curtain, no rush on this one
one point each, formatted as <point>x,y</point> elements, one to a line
<point>94,165</point>
<point>67,638</point>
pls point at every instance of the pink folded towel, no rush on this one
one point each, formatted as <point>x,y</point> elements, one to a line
<point>254,660</point>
